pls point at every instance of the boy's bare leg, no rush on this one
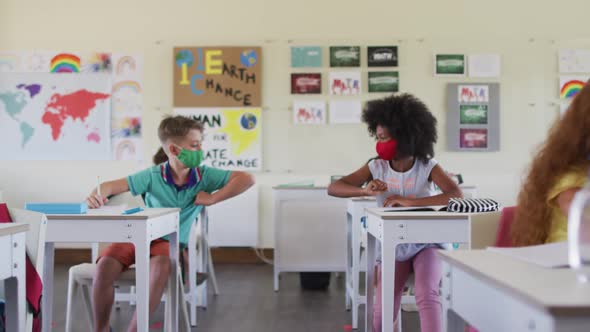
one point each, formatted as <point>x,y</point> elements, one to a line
<point>103,292</point>
<point>159,273</point>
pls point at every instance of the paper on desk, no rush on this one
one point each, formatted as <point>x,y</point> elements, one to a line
<point>108,209</point>
<point>552,255</point>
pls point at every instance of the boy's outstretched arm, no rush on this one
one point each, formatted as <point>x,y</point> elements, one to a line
<point>238,183</point>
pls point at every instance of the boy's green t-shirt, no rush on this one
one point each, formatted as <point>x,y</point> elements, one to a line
<point>161,191</point>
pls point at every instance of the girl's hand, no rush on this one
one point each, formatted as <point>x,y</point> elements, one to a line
<point>397,201</point>
<point>96,201</point>
<point>375,187</point>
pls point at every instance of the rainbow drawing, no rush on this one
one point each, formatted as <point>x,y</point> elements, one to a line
<point>65,63</point>
<point>570,86</point>
<point>125,61</point>
<point>125,149</point>
<point>129,85</point>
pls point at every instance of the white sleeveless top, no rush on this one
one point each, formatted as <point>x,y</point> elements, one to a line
<point>413,183</point>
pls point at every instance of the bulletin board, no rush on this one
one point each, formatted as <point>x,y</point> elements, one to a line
<point>217,76</point>
<point>473,117</point>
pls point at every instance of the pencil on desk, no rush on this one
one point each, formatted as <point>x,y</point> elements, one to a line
<point>98,185</point>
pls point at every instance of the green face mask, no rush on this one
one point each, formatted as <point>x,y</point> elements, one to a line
<point>190,158</point>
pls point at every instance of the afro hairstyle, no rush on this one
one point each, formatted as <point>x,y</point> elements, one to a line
<point>408,121</point>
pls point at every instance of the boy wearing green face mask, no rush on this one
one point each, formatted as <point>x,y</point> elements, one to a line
<point>178,180</point>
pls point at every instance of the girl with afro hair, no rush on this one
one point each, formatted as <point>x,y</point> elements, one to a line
<point>404,174</point>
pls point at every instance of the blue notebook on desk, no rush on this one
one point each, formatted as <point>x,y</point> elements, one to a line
<point>57,208</point>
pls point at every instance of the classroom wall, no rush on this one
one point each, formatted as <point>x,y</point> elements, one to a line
<point>527,34</point>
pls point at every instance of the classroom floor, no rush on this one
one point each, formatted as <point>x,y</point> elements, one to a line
<point>247,303</point>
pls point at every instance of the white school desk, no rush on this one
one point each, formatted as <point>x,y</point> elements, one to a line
<point>393,228</point>
<point>495,292</point>
<point>355,210</point>
<point>308,231</point>
<point>138,228</point>
<point>12,271</point>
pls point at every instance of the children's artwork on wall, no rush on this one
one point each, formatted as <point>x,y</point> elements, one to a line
<point>569,86</point>
<point>574,61</point>
<point>127,98</point>
<point>128,66</point>
<point>306,56</point>
<point>37,62</point>
<point>67,63</point>
<point>473,138</point>
<point>383,81</point>
<point>473,117</point>
<point>10,62</point>
<point>127,149</point>
<point>125,127</point>
<point>345,111</point>
<point>449,64</point>
<point>96,62</point>
<point>309,112</point>
<point>345,83</point>
<point>233,138</point>
<point>382,56</point>
<point>127,106</point>
<point>484,65</point>
<point>44,116</point>
<point>345,56</point>
<point>217,76</point>
<point>306,83</point>
<point>473,94</point>
<point>473,114</point>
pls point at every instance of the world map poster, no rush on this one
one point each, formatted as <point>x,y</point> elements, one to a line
<point>44,116</point>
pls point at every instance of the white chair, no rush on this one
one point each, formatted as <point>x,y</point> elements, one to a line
<point>199,254</point>
<point>80,279</point>
<point>35,243</point>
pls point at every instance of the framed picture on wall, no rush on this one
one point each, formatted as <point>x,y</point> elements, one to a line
<point>382,56</point>
<point>449,64</point>
<point>306,83</point>
<point>345,56</point>
<point>473,114</point>
<point>383,81</point>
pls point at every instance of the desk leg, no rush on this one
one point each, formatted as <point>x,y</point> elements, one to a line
<point>15,287</point>
<point>142,284</point>
<point>356,261</point>
<point>369,282</point>
<point>349,262</point>
<point>47,300</point>
<point>388,246</point>
<point>450,320</point>
<point>173,281</point>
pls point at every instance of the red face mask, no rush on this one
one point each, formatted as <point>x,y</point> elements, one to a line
<point>386,150</point>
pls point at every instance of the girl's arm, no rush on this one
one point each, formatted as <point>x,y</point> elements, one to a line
<point>449,190</point>
<point>351,185</point>
<point>564,199</point>
<point>107,189</point>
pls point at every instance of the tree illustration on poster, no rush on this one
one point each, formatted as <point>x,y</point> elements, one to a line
<point>217,76</point>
